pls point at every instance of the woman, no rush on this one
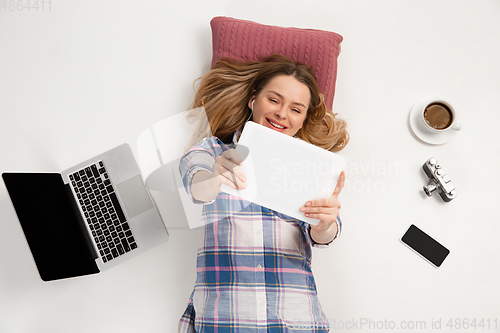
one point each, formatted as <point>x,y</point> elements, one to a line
<point>254,268</point>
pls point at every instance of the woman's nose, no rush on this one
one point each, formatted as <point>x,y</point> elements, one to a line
<point>281,112</point>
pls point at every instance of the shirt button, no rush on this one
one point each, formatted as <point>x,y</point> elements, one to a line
<point>261,304</point>
<point>258,232</point>
<point>259,267</point>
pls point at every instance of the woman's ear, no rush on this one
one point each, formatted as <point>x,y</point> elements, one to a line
<point>250,102</point>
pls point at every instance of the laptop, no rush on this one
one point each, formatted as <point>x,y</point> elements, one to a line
<point>87,219</point>
<point>284,172</point>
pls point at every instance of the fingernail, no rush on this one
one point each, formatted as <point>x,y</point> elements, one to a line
<point>243,186</point>
<point>308,203</point>
<point>302,209</point>
<point>244,179</point>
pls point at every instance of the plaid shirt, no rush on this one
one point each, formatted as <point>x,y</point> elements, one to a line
<point>254,267</point>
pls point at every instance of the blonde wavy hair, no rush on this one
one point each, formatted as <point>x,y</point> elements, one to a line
<point>225,90</point>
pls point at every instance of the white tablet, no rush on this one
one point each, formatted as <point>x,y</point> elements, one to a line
<point>284,172</point>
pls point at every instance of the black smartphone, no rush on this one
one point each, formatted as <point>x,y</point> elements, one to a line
<point>425,245</point>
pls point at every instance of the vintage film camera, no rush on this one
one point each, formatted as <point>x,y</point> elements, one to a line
<point>438,181</point>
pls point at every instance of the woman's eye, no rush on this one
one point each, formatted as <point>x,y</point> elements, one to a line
<point>296,110</point>
<point>273,100</point>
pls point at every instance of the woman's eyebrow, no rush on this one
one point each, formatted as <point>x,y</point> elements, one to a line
<point>281,96</point>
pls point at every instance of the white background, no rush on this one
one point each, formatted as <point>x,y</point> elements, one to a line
<point>110,69</point>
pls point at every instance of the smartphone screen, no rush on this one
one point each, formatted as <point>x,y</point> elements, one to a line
<point>425,245</point>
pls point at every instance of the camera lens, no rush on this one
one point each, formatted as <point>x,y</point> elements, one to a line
<point>429,189</point>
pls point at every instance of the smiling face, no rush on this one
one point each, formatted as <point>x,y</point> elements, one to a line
<point>281,104</point>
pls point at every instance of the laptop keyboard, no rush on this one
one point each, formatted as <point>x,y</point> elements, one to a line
<point>103,212</point>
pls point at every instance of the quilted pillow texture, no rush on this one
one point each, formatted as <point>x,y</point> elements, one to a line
<point>252,41</point>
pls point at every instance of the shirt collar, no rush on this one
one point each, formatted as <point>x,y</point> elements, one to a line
<point>236,136</point>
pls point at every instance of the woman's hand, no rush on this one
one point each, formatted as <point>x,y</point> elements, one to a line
<point>205,186</point>
<point>326,210</point>
<point>226,170</point>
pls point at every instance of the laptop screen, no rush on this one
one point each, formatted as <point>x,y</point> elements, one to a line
<point>51,224</point>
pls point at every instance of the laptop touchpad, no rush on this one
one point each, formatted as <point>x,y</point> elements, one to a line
<point>134,196</point>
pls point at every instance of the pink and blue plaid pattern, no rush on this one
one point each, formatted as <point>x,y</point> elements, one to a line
<point>254,267</point>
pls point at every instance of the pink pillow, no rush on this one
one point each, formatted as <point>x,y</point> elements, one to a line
<point>248,40</point>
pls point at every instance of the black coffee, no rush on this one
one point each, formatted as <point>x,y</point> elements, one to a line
<point>438,116</point>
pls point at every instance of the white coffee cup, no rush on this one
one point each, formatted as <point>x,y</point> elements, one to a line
<point>437,115</point>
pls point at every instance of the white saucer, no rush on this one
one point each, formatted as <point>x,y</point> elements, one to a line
<point>422,133</point>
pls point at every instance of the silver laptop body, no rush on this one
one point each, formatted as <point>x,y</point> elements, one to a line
<point>112,218</point>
